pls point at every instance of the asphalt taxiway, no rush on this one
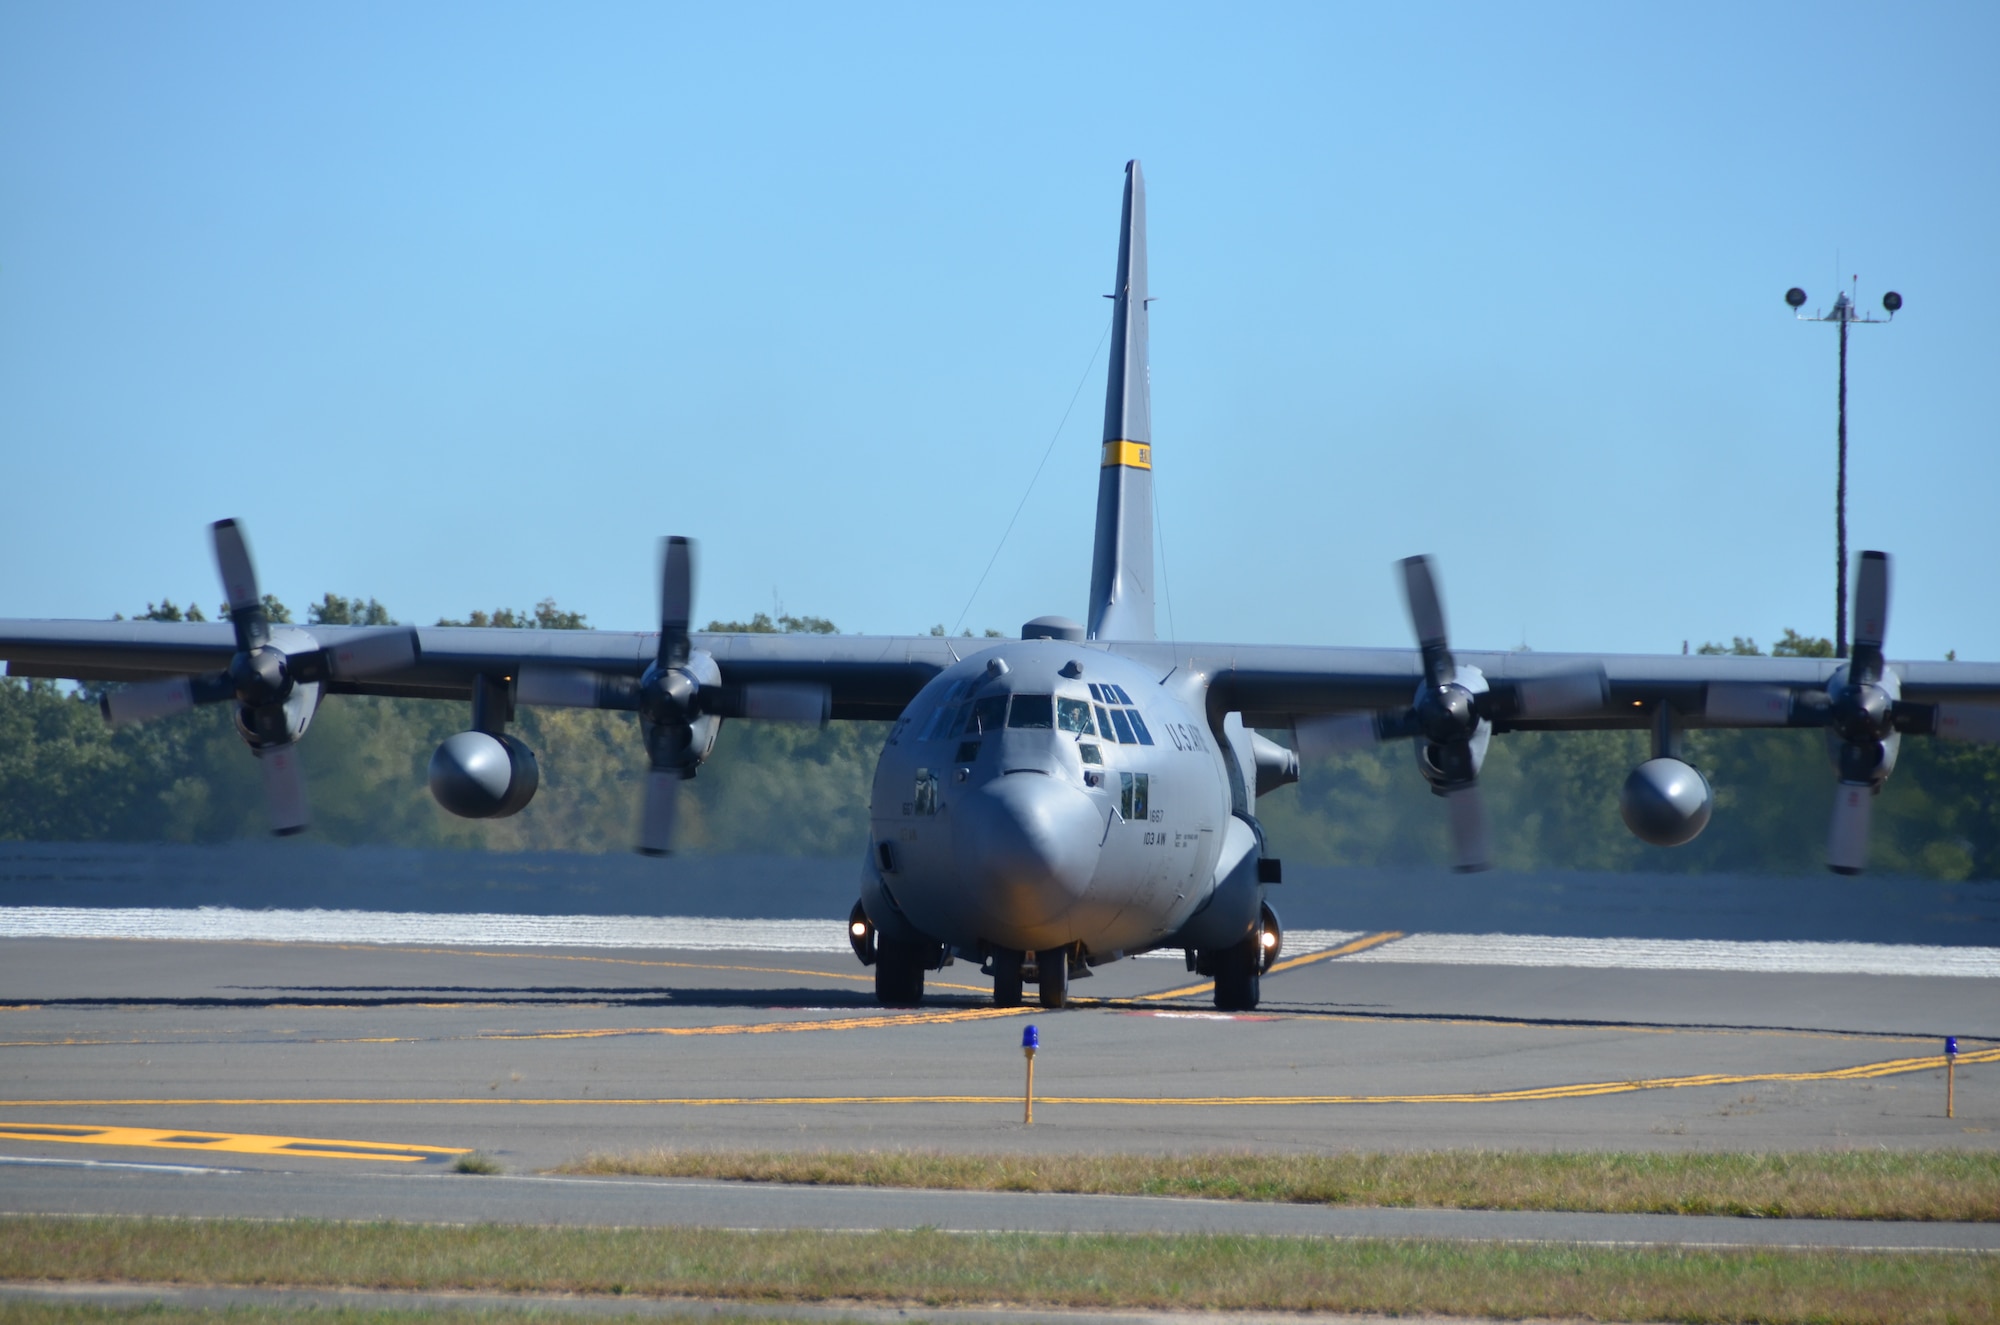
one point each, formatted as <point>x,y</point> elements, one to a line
<point>297,1067</point>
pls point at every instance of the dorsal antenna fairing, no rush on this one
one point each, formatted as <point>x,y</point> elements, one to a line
<point>1121,568</point>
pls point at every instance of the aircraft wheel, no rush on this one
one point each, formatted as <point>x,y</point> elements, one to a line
<point>1237,986</point>
<point>1055,977</point>
<point>1006,979</point>
<point>899,975</point>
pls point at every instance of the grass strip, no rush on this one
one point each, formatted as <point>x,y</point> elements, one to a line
<point>1854,1184</point>
<point>19,1312</point>
<point>928,1268</point>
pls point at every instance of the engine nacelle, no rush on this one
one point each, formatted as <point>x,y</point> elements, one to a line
<point>477,775</point>
<point>1665,802</point>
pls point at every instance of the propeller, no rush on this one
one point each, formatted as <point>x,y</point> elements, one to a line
<point>275,691</point>
<point>666,701</point>
<point>680,698</point>
<point>1452,715</point>
<point>1863,713</point>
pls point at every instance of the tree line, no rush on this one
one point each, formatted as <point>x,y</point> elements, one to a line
<point>1551,797</point>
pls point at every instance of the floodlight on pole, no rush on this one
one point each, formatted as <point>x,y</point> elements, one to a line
<point>1845,311</point>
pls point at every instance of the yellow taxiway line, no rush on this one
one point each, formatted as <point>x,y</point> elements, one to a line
<point>1345,949</point>
<point>766,1027</point>
<point>241,1143</point>
<point>1531,1094</point>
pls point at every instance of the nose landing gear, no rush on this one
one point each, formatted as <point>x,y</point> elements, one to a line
<point>1006,979</point>
<point>1010,976</point>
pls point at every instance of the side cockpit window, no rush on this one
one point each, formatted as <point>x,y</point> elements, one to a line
<point>1118,717</point>
<point>1073,715</point>
<point>1123,724</point>
<point>1134,795</point>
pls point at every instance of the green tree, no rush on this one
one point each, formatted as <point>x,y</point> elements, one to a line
<point>784,624</point>
<point>546,616</point>
<point>1795,645</point>
<point>333,610</point>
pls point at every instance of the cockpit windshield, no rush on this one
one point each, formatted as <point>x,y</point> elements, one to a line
<point>987,715</point>
<point>1033,711</point>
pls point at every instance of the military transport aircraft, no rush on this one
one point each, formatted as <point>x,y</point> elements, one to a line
<point>1053,803</point>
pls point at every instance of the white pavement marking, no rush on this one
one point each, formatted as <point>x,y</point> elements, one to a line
<point>698,934</point>
<point>1687,955</point>
<point>224,924</point>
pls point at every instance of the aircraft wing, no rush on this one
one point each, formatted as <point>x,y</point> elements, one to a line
<point>868,676</point>
<point>1273,685</point>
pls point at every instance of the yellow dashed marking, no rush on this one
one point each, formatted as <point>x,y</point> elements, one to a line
<point>768,1027</point>
<point>241,1143</point>
<point>1345,949</point>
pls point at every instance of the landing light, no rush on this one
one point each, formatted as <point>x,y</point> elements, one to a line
<point>1268,939</point>
<point>859,929</point>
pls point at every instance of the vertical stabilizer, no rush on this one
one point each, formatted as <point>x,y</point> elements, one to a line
<point>1121,566</point>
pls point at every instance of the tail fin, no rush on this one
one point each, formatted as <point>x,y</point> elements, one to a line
<point>1121,568</point>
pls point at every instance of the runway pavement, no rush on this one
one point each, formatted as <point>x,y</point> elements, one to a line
<point>312,1066</point>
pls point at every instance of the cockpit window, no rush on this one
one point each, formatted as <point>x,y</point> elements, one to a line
<point>1104,725</point>
<point>1073,715</point>
<point>1125,736</point>
<point>1139,727</point>
<point>988,715</point>
<point>1033,711</point>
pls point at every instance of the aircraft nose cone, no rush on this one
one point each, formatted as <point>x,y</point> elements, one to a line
<point>1029,844</point>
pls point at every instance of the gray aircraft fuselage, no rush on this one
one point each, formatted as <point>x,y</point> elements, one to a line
<point>1022,803</point>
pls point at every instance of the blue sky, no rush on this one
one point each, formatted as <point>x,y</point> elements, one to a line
<point>464,305</point>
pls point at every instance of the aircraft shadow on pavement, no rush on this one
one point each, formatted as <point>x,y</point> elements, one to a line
<point>514,996</point>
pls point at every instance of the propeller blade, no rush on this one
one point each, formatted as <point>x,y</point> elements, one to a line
<point>1847,843</point>
<point>661,808</point>
<point>373,654</point>
<point>232,558</point>
<point>148,700</point>
<point>1968,722</point>
<point>284,788</point>
<point>1335,733</point>
<point>1468,829</point>
<point>1565,695</point>
<point>239,584</point>
<point>1730,704</point>
<point>1420,595</point>
<point>788,703</point>
<point>676,598</point>
<point>1871,617</point>
<point>1871,600</point>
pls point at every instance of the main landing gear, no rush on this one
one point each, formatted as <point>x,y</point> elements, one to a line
<point>899,974</point>
<point>1054,966</point>
<point>1238,970</point>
